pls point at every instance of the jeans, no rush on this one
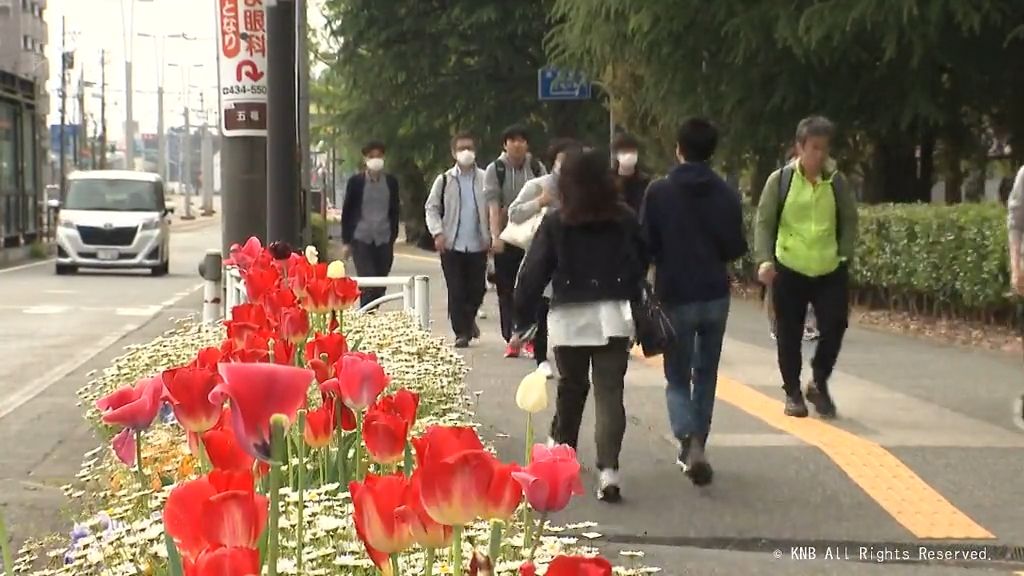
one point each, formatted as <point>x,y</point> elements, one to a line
<point>608,364</point>
<point>372,260</point>
<point>691,365</point>
<point>465,273</point>
<point>829,296</point>
<point>506,269</point>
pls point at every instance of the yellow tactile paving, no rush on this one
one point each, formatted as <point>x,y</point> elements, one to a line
<point>895,487</point>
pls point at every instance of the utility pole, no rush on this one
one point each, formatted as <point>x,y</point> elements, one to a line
<point>302,35</point>
<point>161,136</point>
<point>63,103</point>
<point>187,177</point>
<point>82,136</point>
<point>206,162</point>
<point>103,110</point>
<point>284,161</point>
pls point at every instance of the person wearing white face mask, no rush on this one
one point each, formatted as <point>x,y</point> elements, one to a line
<point>629,178</point>
<point>369,219</point>
<point>458,217</point>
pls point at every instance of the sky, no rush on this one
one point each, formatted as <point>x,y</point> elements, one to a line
<point>96,25</point>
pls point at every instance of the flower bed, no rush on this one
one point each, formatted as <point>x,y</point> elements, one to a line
<point>355,429</point>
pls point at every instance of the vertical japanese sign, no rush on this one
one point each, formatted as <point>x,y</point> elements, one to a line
<point>242,26</point>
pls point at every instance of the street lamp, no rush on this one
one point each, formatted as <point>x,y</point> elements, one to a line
<point>160,51</point>
<point>128,33</point>
<point>186,150</point>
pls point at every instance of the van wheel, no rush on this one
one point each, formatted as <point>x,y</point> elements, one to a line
<point>162,269</point>
<point>65,269</point>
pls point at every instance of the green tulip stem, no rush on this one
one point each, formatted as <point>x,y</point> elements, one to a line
<point>428,563</point>
<point>407,463</point>
<point>360,471</point>
<point>529,439</point>
<point>204,458</point>
<point>342,453</point>
<point>494,551</point>
<point>138,459</point>
<point>457,550</point>
<point>277,456</point>
<point>299,547</point>
<point>537,536</point>
<point>395,567</point>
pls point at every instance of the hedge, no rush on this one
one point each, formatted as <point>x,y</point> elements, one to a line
<point>948,261</point>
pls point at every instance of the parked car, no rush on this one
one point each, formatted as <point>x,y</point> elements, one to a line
<point>113,219</point>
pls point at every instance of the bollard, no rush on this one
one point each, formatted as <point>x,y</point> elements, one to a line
<point>422,297</point>
<point>211,270</point>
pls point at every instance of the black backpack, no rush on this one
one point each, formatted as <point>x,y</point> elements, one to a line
<point>499,169</point>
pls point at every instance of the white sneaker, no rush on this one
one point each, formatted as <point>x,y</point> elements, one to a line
<point>608,486</point>
<point>546,369</point>
<point>481,314</point>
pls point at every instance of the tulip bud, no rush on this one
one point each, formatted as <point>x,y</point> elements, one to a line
<point>312,255</point>
<point>532,395</point>
<point>336,270</point>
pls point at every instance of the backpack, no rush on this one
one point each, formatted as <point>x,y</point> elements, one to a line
<point>500,168</point>
<point>786,182</point>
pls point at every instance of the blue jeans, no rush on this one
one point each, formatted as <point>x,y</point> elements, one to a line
<point>691,365</point>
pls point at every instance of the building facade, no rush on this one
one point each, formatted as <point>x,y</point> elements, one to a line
<point>24,104</point>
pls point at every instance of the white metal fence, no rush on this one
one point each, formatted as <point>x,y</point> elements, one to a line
<point>415,293</point>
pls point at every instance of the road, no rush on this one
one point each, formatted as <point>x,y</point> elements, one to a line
<point>924,453</point>
<point>55,329</point>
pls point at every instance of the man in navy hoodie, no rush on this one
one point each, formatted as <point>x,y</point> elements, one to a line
<point>693,223</point>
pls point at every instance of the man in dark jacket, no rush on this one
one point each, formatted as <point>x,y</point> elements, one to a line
<point>630,179</point>
<point>693,223</point>
<point>369,219</point>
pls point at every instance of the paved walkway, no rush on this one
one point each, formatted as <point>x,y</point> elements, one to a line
<point>925,453</point>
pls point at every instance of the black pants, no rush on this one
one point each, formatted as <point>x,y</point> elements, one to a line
<point>465,274</point>
<point>609,364</point>
<point>372,260</point>
<point>829,296</point>
<point>506,269</point>
<point>540,339</point>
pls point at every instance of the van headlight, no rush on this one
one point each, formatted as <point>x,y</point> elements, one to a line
<point>65,223</point>
<point>151,224</point>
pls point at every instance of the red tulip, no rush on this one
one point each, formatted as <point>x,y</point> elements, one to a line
<point>360,380</point>
<point>384,434</point>
<point>403,404</point>
<point>246,255</point>
<point>188,391</point>
<point>381,516</point>
<point>277,301</point>
<point>133,407</point>
<point>323,352</point>
<point>441,442</point>
<point>330,392</point>
<point>246,319</point>
<point>333,325</point>
<point>207,358</point>
<point>454,490</point>
<point>320,426</point>
<point>257,392</point>
<point>124,446</point>
<point>225,562</point>
<point>260,282</point>
<point>579,566</point>
<point>254,350</point>
<point>317,295</point>
<point>284,353</point>
<point>301,274</point>
<point>344,292</point>
<point>219,509</point>
<point>552,477</point>
<point>223,450</point>
<point>480,565</point>
<point>425,531</point>
<point>528,569</point>
<point>503,493</point>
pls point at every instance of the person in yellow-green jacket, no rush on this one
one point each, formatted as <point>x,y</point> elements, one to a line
<point>804,238</point>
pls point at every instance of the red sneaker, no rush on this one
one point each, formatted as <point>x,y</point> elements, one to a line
<point>511,351</point>
<point>528,350</point>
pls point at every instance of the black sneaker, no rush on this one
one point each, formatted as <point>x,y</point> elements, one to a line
<point>697,467</point>
<point>795,405</point>
<point>821,400</point>
<point>608,487</point>
<point>462,342</point>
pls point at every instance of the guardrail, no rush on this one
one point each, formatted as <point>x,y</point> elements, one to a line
<point>415,294</point>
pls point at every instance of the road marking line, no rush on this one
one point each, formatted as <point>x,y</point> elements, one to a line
<point>143,312</point>
<point>25,266</point>
<point>61,291</point>
<point>21,396</point>
<point>892,484</point>
<point>417,257</point>
<point>46,309</point>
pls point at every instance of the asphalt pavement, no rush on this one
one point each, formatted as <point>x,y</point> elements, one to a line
<point>55,329</point>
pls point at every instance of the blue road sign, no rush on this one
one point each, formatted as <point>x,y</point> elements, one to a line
<point>555,84</point>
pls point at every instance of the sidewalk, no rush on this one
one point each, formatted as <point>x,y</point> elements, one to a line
<point>925,452</point>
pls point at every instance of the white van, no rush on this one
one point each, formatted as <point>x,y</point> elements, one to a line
<point>113,219</point>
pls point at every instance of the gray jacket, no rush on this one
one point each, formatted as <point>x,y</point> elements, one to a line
<point>527,203</point>
<point>509,191</point>
<point>449,223</point>
<point>1015,208</point>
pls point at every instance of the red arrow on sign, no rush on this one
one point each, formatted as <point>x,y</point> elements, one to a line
<point>249,69</point>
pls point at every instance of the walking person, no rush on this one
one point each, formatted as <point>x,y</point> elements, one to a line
<point>504,179</point>
<point>591,252</point>
<point>457,214</point>
<point>804,240</point>
<point>1015,227</point>
<point>693,225</point>
<point>536,195</point>
<point>630,179</point>
<point>369,219</point>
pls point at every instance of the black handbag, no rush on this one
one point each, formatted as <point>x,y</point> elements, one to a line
<point>654,331</point>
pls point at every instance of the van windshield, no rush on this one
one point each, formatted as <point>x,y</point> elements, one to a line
<point>113,195</point>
